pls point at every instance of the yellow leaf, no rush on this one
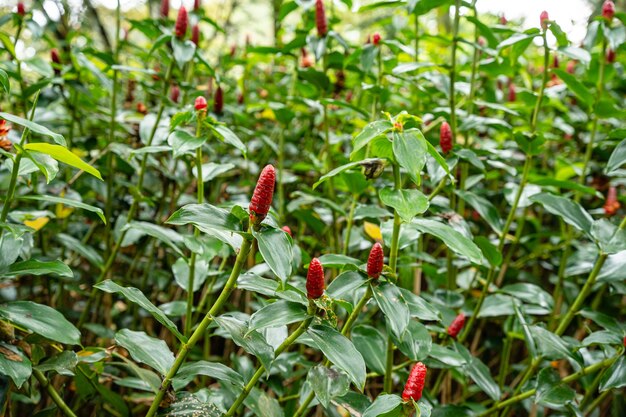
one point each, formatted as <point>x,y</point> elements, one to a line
<point>37,224</point>
<point>62,211</point>
<point>373,231</point>
<point>268,114</point>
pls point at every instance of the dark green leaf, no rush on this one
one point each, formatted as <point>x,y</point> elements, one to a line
<point>41,319</point>
<point>146,349</point>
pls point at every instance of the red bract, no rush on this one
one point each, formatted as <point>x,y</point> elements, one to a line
<point>195,34</point>
<point>512,93</point>
<point>315,280</point>
<point>263,194</point>
<point>305,59</point>
<point>415,383</point>
<point>608,10</point>
<point>375,261</point>
<point>287,230</point>
<point>571,65</point>
<point>165,8</point>
<point>376,39</point>
<point>200,103</point>
<point>218,101</point>
<point>503,20</point>
<point>196,5</point>
<point>320,19</point>
<point>21,9</point>
<point>611,205</point>
<point>54,56</point>
<point>543,19</point>
<point>445,137</point>
<point>555,62</point>
<point>181,23</point>
<point>456,325</point>
<point>610,56</point>
<point>175,93</point>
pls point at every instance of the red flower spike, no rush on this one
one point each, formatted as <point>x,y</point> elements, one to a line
<point>195,34</point>
<point>287,230</point>
<point>543,19</point>
<point>608,10</point>
<point>196,5</point>
<point>456,325</point>
<point>54,56</point>
<point>218,101</point>
<point>262,196</point>
<point>555,62</point>
<point>240,98</point>
<point>200,103</point>
<point>181,23</point>
<point>21,9</point>
<point>610,56</point>
<point>512,93</point>
<point>315,280</point>
<point>376,39</point>
<point>375,261</point>
<point>165,8</point>
<point>175,93</point>
<point>611,204</point>
<point>571,65</point>
<point>503,20</point>
<point>320,19</point>
<point>445,137</point>
<point>415,383</point>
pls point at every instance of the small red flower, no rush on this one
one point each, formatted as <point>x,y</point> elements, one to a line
<point>305,59</point>
<point>610,56</point>
<point>165,8</point>
<point>287,230</point>
<point>5,128</point>
<point>240,98</point>
<point>571,65</point>
<point>555,62</point>
<point>218,101</point>
<point>263,194</point>
<point>55,57</point>
<point>141,108</point>
<point>21,9</point>
<point>544,19</point>
<point>445,137</point>
<point>376,39</point>
<point>456,325</point>
<point>503,20</point>
<point>196,5</point>
<point>200,103</point>
<point>181,23</point>
<point>481,41</point>
<point>320,19</point>
<point>195,34</point>
<point>175,93</point>
<point>415,383</point>
<point>375,261</point>
<point>608,10</point>
<point>612,204</point>
<point>512,93</point>
<point>315,280</point>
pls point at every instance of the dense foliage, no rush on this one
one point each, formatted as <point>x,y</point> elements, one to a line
<point>427,221</point>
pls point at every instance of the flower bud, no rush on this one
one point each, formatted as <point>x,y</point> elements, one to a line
<point>196,5</point>
<point>55,57</point>
<point>555,62</point>
<point>165,8</point>
<point>181,23</point>
<point>512,93</point>
<point>200,104</point>
<point>610,56</point>
<point>445,137</point>
<point>262,196</point>
<point>218,101</point>
<point>544,19</point>
<point>21,9</point>
<point>141,108</point>
<point>305,59</point>
<point>503,20</point>
<point>320,19</point>
<point>376,39</point>
<point>456,325</point>
<point>195,34</point>
<point>175,93</point>
<point>315,280</point>
<point>287,230</point>
<point>612,204</point>
<point>415,383</point>
<point>571,65</point>
<point>375,261</point>
<point>608,10</point>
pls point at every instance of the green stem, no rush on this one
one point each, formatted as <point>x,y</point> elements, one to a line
<point>349,223</point>
<point>202,327</point>
<point>52,392</point>
<point>455,35</point>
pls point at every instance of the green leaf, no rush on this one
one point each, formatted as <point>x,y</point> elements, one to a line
<point>87,252</point>
<point>183,51</point>
<point>165,235</point>
<point>180,268</point>
<point>447,356</point>
<point>276,248</point>
<point>409,149</point>
<point>217,371</point>
<point>41,319</point>
<point>4,81</point>
<point>230,138</point>
<point>333,260</point>
<point>344,284</point>
<point>135,295</point>
<point>62,154</point>
<point>575,86</point>
<point>183,142</point>
<point>479,373</point>
<point>341,169</point>
<point>420,308</point>
<point>484,207</point>
<point>493,256</point>
<point>530,340</point>
<point>211,220</point>
<point>408,203</point>
<point>383,404</point>
<point>372,346</point>
<point>146,349</point>
<point>551,392</point>
<point>191,406</point>
<point>571,212</point>
<point>251,341</point>
<point>390,300</point>
<point>327,383</point>
<point>340,351</point>
<point>421,7</point>
<point>529,293</point>
<point>278,314</point>
<point>14,364</point>
<point>36,267</point>
<point>63,364</point>
<point>615,376</point>
<point>369,132</point>
<point>67,202</point>
<point>453,239</point>
<point>34,127</point>
<point>617,159</point>
<point>416,341</point>
<point>550,345</point>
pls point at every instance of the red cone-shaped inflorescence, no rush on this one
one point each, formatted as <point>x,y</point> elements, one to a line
<point>21,9</point>
<point>445,137</point>
<point>218,101</point>
<point>196,5</point>
<point>512,93</point>
<point>200,103</point>
<point>263,194</point>
<point>503,20</point>
<point>165,8</point>
<point>54,56</point>
<point>415,383</point>
<point>195,34</point>
<point>456,325</point>
<point>375,261</point>
<point>180,30</point>
<point>376,39</point>
<point>555,62</point>
<point>610,56</point>
<point>544,19</point>
<point>287,230</point>
<point>611,204</point>
<point>608,10</point>
<point>571,66</point>
<point>175,93</point>
<point>315,280</point>
<point>320,19</point>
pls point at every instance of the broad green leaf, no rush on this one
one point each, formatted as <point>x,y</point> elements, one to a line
<point>484,207</point>
<point>63,364</point>
<point>453,239</point>
<point>489,250</point>
<point>36,267</point>
<point>479,372</point>
<point>278,314</point>
<point>14,364</point>
<point>183,51</point>
<point>383,404</point>
<point>87,252</point>
<point>551,392</point>
<point>344,284</point>
<point>420,308</point>
<point>135,295</point>
<point>550,345</point>
<point>180,268</point>
<point>146,349</point>
<point>213,170</point>
<point>67,202</point>
<point>421,7</point>
<point>165,235</point>
<point>4,81</point>
<point>446,356</point>
<point>62,154</point>
<point>230,138</point>
<point>529,293</point>
<point>340,351</point>
<point>530,340</point>
<point>617,159</point>
<point>183,142</point>
<point>390,300</point>
<point>191,406</point>
<point>333,260</point>
<point>409,149</point>
<point>262,405</point>
<point>371,131</point>
<point>216,371</point>
<point>252,341</point>
<point>408,203</point>
<point>571,212</point>
<point>276,248</point>
<point>372,345</point>
<point>615,376</point>
<point>341,169</point>
<point>575,86</point>
<point>416,341</point>
<point>327,383</point>
<point>34,127</point>
<point>42,320</point>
